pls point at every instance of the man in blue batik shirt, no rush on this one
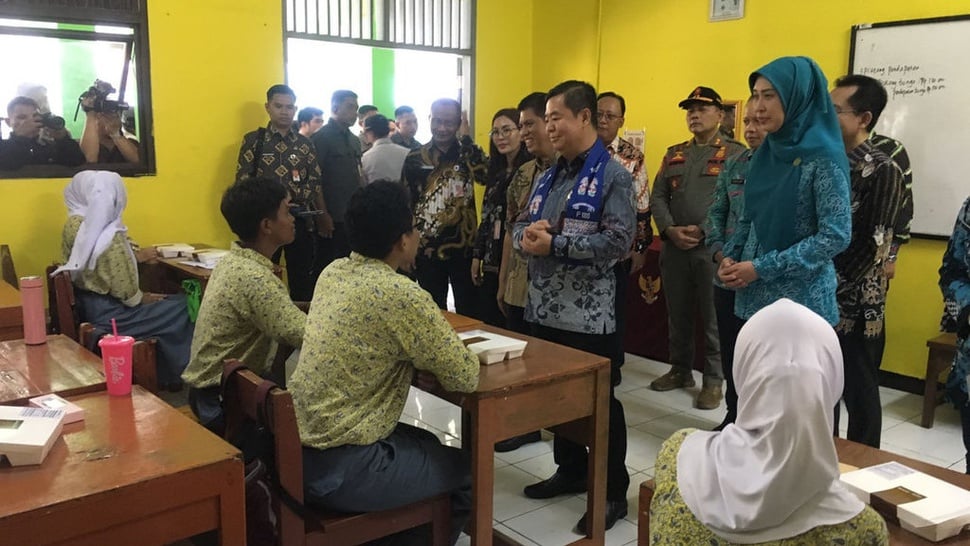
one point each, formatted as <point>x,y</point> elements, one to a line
<point>580,219</point>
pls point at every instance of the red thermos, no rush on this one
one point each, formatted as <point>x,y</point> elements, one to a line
<point>32,299</point>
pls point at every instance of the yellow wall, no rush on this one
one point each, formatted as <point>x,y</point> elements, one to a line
<point>208,82</point>
<point>655,52</point>
<point>565,41</point>
<point>208,88</point>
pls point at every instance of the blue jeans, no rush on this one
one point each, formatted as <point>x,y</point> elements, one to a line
<point>407,466</point>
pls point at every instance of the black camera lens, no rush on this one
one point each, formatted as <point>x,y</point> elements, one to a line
<point>50,121</point>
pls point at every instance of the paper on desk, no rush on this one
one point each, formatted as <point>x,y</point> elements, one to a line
<point>194,263</point>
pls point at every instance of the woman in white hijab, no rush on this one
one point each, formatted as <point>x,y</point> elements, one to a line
<point>104,270</point>
<point>772,477</point>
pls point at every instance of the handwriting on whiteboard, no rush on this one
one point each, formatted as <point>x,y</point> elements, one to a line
<point>902,80</point>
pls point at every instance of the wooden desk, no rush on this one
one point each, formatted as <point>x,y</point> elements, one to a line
<point>135,471</point>
<point>857,455</point>
<point>460,323</point>
<point>552,387</point>
<point>11,313</point>
<point>862,456</point>
<point>60,366</point>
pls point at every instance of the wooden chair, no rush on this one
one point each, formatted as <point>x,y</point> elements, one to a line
<point>299,524</point>
<point>8,272</point>
<point>65,320</point>
<point>942,350</point>
<point>643,513</point>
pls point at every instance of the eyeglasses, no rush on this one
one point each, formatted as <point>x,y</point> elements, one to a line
<point>607,116</point>
<point>503,131</point>
<point>839,111</point>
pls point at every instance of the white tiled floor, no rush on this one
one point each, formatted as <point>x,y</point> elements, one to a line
<point>651,417</point>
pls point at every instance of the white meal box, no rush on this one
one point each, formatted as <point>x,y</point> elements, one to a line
<point>491,348</point>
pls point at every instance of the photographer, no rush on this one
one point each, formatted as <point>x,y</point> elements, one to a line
<point>103,140</point>
<point>36,139</point>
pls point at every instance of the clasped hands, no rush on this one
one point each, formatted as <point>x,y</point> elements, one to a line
<point>685,237</point>
<point>736,275</point>
<point>537,238</point>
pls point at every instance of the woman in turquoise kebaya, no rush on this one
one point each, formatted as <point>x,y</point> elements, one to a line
<point>797,207</point>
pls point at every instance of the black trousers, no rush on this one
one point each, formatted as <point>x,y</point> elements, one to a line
<point>622,272</point>
<point>488,311</point>
<point>572,457</point>
<point>515,320</point>
<point>434,276</point>
<point>728,327</point>
<point>862,358</point>
<point>304,261</point>
<point>337,246</point>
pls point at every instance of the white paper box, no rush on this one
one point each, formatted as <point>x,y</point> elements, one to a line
<point>174,250</point>
<point>72,412</point>
<point>27,434</point>
<point>493,347</point>
<point>943,513</point>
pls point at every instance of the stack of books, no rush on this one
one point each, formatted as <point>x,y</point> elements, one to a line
<point>922,504</point>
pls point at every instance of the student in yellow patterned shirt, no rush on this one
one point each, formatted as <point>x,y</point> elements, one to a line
<point>246,311</point>
<point>369,332</point>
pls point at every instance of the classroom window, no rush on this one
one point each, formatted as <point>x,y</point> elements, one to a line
<point>67,49</point>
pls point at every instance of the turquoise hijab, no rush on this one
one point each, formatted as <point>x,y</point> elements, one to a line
<point>810,131</point>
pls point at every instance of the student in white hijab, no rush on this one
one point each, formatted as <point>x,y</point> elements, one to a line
<point>772,477</point>
<point>104,269</point>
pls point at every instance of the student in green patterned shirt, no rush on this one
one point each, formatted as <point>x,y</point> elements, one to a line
<point>246,311</point>
<point>369,332</point>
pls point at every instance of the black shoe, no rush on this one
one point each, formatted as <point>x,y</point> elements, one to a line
<point>517,441</point>
<point>615,510</point>
<point>558,484</point>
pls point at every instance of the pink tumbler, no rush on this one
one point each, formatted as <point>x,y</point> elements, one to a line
<point>116,354</point>
<point>32,301</point>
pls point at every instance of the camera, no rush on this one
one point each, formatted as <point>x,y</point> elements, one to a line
<point>50,121</point>
<point>99,92</point>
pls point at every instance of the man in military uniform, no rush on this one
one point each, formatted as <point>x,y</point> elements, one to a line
<point>277,152</point>
<point>682,193</point>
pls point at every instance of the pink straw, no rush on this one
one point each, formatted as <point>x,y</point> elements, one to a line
<point>114,326</point>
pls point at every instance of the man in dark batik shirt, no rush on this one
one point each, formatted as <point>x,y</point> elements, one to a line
<point>877,189</point>
<point>440,176</point>
<point>277,152</point>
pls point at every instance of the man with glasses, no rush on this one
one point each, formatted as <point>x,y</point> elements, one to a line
<point>440,177</point>
<point>877,190</point>
<point>610,112</point>
<point>682,193</point>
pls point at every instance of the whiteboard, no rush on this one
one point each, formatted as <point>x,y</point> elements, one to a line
<point>925,67</point>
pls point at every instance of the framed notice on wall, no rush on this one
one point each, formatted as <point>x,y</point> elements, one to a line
<point>724,10</point>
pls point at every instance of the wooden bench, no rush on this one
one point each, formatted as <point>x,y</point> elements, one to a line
<point>942,349</point>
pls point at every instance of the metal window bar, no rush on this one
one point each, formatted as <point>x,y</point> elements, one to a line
<point>432,25</point>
